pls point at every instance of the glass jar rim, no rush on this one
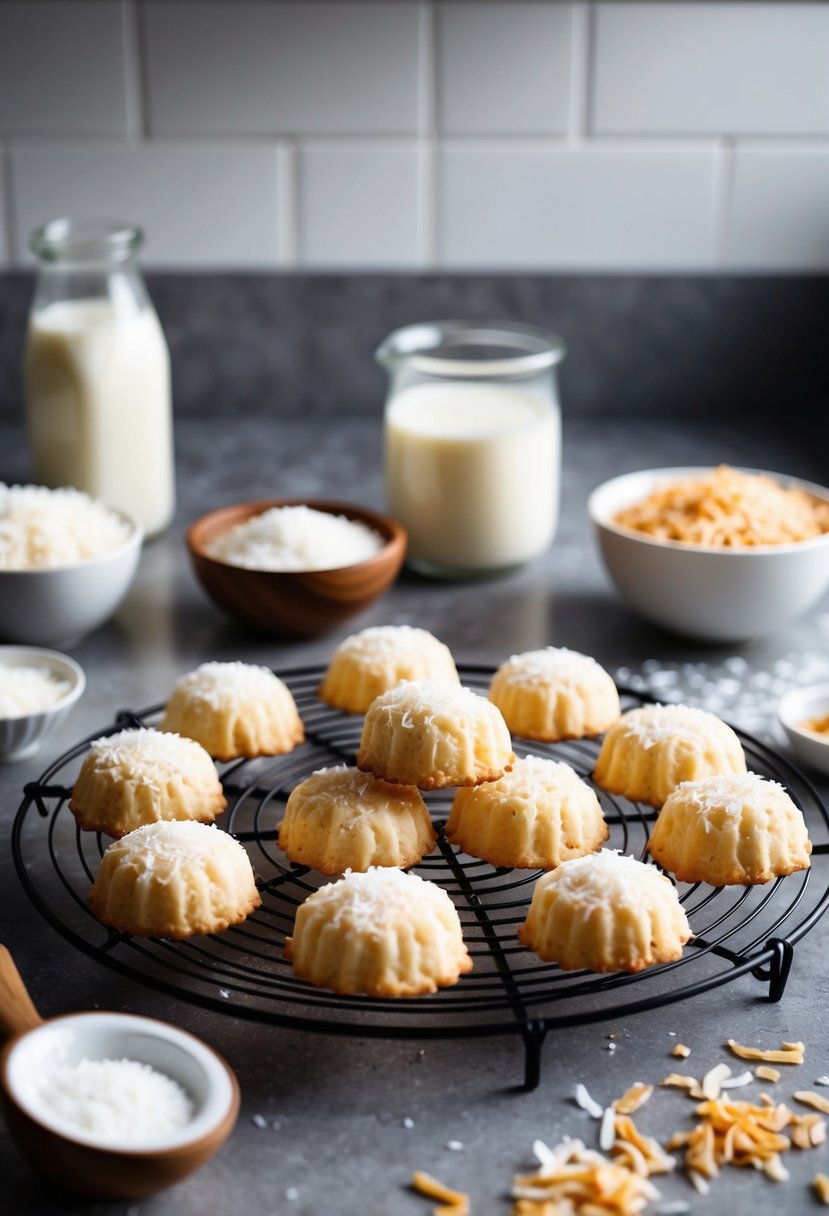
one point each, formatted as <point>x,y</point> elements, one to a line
<point>86,240</point>
<point>418,347</point>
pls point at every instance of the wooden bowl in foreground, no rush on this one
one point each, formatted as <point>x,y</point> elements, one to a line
<point>295,603</point>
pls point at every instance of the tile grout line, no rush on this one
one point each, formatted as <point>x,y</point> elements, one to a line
<point>287,204</point>
<point>427,235</point>
<point>135,97</point>
<point>581,71</point>
<point>723,200</point>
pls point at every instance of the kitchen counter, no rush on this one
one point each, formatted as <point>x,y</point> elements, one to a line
<point>338,1125</point>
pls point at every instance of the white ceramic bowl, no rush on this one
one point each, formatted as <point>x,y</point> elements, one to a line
<point>22,736</point>
<point>56,607</point>
<point>796,707</point>
<point>723,595</point>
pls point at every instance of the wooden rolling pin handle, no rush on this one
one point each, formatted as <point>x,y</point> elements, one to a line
<point>17,1013</point>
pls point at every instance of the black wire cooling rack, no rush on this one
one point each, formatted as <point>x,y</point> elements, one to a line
<point>738,930</point>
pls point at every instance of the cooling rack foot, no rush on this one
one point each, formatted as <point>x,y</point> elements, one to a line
<point>533,1033</point>
<point>777,972</point>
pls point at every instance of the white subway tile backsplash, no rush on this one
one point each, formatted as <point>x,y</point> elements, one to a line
<point>359,203</point>
<point>209,205</point>
<point>534,206</point>
<point>250,67</point>
<point>385,134</point>
<point>61,68</point>
<point>780,212</point>
<point>504,67</point>
<point>711,68</point>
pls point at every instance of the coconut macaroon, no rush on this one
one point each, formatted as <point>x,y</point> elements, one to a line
<point>341,819</point>
<point>234,709</point>
<point>649,751</point>
<point>536,816</point>
<point>136,777</point>
<point>605,912</point>
<point>433,734</point>
<point>553,694</point>
<point>727,830</point>
<point>371,662</point>
<point>174,880</point>
<point>383,933</point>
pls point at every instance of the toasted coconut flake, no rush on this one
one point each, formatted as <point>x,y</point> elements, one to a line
<point>607,1130</point>
<point>698,1182</point>
<point>681,1051</point>
<point>654,1156</point>
<point>809,1098</point>
<point>713,1079</point>
<point>632,1099</point>
<point>820,1185</point>
<point>583,1100</point>
<point>764,1073</point>
<point>677,1081</point>
<point>586,1183</point>
<point>775,1169</point>
<point>741,1079</point>
<point>450,1203</point>
<point>790,1053</point>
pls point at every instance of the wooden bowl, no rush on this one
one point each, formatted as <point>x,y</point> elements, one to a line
<point>295,603</point>
<point>96,1164</point>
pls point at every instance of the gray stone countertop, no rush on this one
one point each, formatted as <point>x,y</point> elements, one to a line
<point>338,1125</point>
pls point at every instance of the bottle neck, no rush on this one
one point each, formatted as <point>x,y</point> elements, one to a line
<point>120,284</point>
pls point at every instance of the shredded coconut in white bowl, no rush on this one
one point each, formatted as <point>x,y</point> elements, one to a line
<point>296,538</point>
<point>44,529</point>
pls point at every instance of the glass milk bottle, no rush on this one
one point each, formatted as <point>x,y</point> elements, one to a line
<point>473,444</point>
<point>97,372</point>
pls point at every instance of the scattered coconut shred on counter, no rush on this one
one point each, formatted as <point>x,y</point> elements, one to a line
<point>615,1180</point>
<point>296,538</point>
<point>29,690</point>
<point>119,1102</point>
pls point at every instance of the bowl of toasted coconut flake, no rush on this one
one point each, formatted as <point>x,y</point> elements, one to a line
<point>722,554</point>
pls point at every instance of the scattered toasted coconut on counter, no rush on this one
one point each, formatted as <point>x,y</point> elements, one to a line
<point>632,1099</point>
<point>820,1185</point>
<point>790,1053</point>
<point>681,1051</point>
<point>764,1073</point>
<point>678,1080</point>
<point>450,1203</point>
<point>583,1100</point>
<point>575,1179</point>
<point>808,1098</point>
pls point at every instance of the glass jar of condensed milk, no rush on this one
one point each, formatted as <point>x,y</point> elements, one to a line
<point>473,444</point>
<point>97,372</point>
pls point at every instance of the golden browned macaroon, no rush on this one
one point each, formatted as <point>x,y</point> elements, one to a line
<point>383,933</point>
<point>730,829</point>
<point>553,694</point>
<point>432,734</point>
<point>605,912</point>
<point>536,816</point>
<point>650,750</point>
<point>341,819</point>
<point>136,777</point>
<point>376,659</point>
<point>174,880</point>
<point>235,709</point>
